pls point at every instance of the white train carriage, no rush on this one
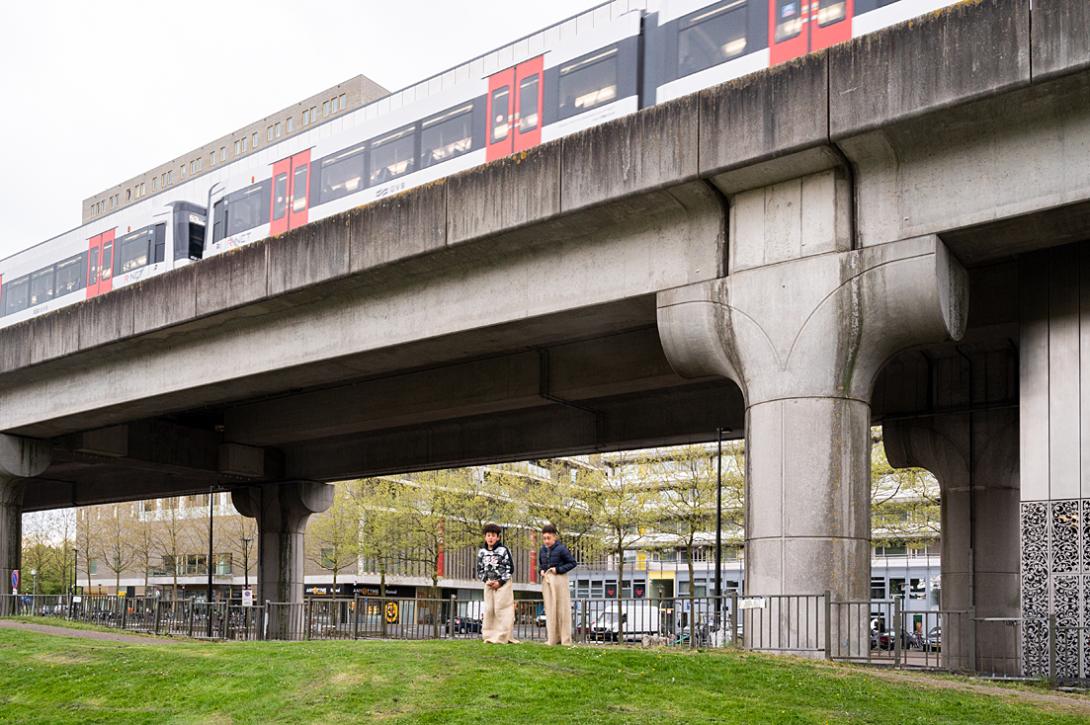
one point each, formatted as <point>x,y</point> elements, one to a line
<point>597,66</point>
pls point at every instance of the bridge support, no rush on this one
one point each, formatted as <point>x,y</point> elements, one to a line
<point>282,511</point>
<point>20,458</point>
<point>975,459</point>
<point>804,339</point>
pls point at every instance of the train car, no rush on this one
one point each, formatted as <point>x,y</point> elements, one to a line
<point>137,242</point>
<point>563,85</point>
<point>597,66</point>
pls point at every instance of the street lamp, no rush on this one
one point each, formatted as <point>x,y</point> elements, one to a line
<point>246,562</point>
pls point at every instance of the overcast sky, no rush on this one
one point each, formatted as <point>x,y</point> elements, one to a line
<point>97,92</point>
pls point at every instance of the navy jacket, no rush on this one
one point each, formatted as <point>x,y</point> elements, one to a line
<point>558,556</point>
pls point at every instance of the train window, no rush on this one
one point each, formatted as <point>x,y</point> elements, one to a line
<point>219,220</point>
<point>247,208</point>
<point>711,37</point>
<point>107,260</point>
<point>70,275</point>
<point>831,11</point>
<point>280,196</point>
<point>447,135</point>
<point>528,94</point>
<point>392,156</point>
<point>41,286</point>
<point>788,19</point>
<point>15,295</point>
<point>134,250</point>
<point>341,173</point>
<point>158,243</point>
<point>501,112</point>
<point>92,266</point>
<point>299,188</point>
<point>588,82</point>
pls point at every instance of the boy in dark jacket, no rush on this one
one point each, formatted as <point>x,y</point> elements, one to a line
<point>495,568</point>
<point>555,561</point>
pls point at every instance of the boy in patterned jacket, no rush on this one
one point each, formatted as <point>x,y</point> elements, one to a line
<point>495,568</point>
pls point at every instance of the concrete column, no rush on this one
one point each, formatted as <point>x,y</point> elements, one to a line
<point>282,511</point>
<point>20,458</point>
<point>804,339</point>
<point>975,459</point>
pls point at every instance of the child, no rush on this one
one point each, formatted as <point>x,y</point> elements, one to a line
<point>555,561</point>
<point>495,568</point>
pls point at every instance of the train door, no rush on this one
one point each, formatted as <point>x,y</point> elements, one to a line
<point>290,193</point>
<point>100,263</point>
<point>513,108</point>
<point>796,27</point>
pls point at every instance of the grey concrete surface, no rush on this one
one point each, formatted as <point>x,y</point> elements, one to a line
<point>20,459</point>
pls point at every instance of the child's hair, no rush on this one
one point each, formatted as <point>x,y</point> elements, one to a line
<point>548,529</point>
<point>491,529</point>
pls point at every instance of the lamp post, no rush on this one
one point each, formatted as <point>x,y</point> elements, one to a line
<point>246,562</point>
<point>719,526</point>
<point>211,497</point>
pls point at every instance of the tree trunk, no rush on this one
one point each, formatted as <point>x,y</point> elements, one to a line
<point>620,587</point>
<point>692,592</point>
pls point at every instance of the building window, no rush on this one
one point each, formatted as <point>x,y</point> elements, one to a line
<point>200,163</point>
<point>306,116</point>
<point>92,566</point>
<point>253,140</point>
<point>143,189</point>
<point>224,565</point>
<point>325,108</point>
<point>343,101</point>
<point>290,124</point>
<point>238,147</point>
<point>268,134</point>
<point>128,194</point>
<point>278,129</point>
<point>170,177</point>
<point>196,564</point>
<point>877,587</point>
<point>211,159</point>
<point>223,153</point>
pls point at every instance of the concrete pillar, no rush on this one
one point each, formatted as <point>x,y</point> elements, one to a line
<point>1054,404</point>
<point>282,511</point>
<point>975,459</point>
<point>804,335</point>
<point>20,458</point>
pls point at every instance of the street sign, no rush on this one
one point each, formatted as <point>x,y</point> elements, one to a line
<point>391,612</point>
<point>751,603</point>
<point>247,597</point>
<point>14,581</point>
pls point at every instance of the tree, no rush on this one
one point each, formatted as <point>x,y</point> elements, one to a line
<point>334,536</point>
<point>905,502</point>
<point>620,501</point>
<point>563,502</point>
<point>175,533</point>
<point>382,526</point>
<point>115,546</point>
<point>242,530</point>
<point>142,540</point>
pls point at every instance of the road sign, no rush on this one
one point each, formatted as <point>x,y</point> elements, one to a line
<point>247,597</point>
<point>391,612</point>
<point>14,581</point>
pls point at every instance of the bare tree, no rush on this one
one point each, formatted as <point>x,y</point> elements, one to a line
<point>115,545</point>
<point>333,537</point>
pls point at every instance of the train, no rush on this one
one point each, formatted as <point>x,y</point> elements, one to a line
<point>605,63</point>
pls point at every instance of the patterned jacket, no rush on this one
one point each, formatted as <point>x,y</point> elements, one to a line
<point>495,564</point>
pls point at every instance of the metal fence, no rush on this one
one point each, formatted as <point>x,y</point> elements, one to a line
<point>876,632</point>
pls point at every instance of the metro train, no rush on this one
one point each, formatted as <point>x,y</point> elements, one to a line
<point>600,65</point>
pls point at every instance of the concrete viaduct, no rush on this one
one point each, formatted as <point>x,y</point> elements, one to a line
<point>886,232</point>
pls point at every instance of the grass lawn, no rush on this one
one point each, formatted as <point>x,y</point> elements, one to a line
<point>55,679</point>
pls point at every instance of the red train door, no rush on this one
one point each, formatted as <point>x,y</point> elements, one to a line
<point>513,108</point>
<point>100,263</point>
<point>290,193</point>
<point>796,27</point>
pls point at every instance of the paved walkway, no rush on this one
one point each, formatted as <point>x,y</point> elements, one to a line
<point>84,633</point>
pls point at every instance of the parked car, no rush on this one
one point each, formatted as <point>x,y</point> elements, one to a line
<point>466,625</point>
<point>539,620</point>
<point>933,641</point>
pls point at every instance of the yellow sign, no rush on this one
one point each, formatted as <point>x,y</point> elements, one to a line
<point>391,612</point>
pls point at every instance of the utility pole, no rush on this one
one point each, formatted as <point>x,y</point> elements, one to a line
<point>719,526</point>
<point>211,497</point>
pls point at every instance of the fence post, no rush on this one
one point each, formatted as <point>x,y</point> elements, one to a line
<point>158,614</point>
<point>124,612</point>
<point>450,617</point>
<point>829,626</point>
<point>356,616</point>
<point>265,622</point>
<point>192,610</point>
<point>733,618</point>
<point>897,629</point>
<point>307,610</point>
<point>1052,674</point>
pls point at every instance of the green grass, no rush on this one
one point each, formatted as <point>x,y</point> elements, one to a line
<point>56,679</point>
